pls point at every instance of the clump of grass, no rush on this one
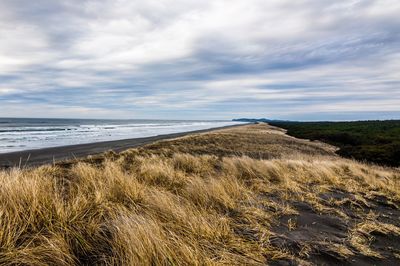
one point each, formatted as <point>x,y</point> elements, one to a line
<point>360,237</point>
<point>342,250</point>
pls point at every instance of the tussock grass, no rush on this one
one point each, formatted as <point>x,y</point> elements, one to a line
<point>209,199</point>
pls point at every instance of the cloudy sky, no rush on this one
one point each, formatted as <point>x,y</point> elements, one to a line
<point>209,59</point>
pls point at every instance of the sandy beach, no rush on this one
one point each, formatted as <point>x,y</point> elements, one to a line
<point>56,154</point>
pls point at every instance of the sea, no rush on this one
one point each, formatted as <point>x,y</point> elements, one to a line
<point>18,134</point>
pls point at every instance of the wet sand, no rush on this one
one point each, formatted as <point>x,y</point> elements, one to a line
<point>56,154</point>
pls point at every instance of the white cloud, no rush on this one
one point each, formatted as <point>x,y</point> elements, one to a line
<point>194,55</point>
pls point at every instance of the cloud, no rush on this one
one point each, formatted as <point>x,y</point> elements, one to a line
<point>200,59</point>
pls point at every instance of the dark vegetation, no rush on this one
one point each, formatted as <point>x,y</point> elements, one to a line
<point>373,141</point>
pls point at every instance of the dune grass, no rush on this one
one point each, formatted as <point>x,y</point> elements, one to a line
<point>209,199</point>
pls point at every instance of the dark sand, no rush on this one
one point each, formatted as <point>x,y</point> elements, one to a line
<point>62,153</point>
<point>321,230</point>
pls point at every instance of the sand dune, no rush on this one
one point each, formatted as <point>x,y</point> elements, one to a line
<point>246,195</point>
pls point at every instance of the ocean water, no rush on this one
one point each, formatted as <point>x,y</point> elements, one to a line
<point>17,134</point>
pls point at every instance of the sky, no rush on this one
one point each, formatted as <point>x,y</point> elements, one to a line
<point>209,59</point>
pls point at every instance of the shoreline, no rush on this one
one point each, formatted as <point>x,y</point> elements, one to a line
<point>50,155</point>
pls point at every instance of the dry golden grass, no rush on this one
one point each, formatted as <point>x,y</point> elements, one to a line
<point>208,199</point>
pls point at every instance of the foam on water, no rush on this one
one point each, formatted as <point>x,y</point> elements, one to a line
<point>18,134</point>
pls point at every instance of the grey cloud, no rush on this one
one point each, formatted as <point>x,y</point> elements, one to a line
<point>200,58</point>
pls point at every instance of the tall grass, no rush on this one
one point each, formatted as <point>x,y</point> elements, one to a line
<point>168,209</point>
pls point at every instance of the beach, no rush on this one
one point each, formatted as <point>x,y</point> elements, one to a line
<point>51,155</point>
